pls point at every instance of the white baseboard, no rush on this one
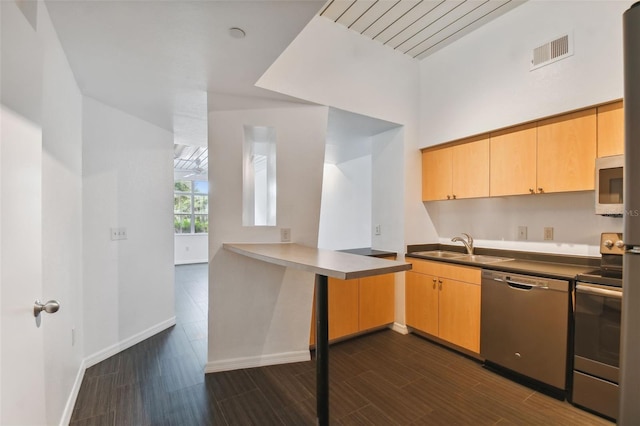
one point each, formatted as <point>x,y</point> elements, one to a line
<point>190,262</point>
<point>257,361</point>
<point>71,401</point>
<point>400,328</point>
<point>100,356</point>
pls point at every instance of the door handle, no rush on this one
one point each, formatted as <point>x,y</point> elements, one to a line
<point>51,307</point>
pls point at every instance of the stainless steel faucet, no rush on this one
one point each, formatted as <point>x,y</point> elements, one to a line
<point>468,243</point>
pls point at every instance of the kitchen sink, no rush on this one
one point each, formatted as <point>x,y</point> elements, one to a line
<point>480,258</point>
<point>475,258</point>
<point>439,253</point>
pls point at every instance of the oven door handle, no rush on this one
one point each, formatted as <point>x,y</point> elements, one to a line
<point>598,291</point>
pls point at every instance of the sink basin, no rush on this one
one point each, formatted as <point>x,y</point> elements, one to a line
<point>475,258</point>
<point>440,253</point>
<point>480,258</point>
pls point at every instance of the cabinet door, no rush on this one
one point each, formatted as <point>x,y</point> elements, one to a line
<point>513,161</point>
<point>470,168</point>
<point>436,174</point>
<point>421,302</point>
<point>567,152</point>
<point>610,129</point>
<point>459,316</point>
<point>343,307</point>
<point>377,301</point>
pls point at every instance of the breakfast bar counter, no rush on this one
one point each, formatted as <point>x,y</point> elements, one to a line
<point>323,263</point>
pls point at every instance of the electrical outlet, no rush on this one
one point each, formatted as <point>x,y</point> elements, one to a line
<point>548,233</point>
<point>522,232</point>
<point>118,234</point>
<point>285,235</point>
<point>378,230</point>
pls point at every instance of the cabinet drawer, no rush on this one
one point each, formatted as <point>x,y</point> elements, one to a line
<point>467,274</point>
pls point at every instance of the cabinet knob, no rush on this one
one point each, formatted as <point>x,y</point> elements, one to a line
<point>540,190</point>
<point>448,197</point>
<point>531,191</point>
<point>454,196</point>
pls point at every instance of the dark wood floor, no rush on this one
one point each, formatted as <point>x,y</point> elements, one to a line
<point>380,379</point>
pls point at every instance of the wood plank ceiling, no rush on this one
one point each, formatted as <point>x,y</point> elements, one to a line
<point>415,27</point>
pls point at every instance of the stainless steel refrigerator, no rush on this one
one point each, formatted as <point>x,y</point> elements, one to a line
<point>629,409</point>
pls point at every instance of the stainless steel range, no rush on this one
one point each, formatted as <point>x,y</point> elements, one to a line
<point>597,331</point>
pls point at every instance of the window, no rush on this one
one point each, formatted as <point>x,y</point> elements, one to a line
<point>191,207</point>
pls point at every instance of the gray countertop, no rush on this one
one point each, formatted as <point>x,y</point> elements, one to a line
<point>539,264</point>
<point>368,251</point>
<point>323,262</point>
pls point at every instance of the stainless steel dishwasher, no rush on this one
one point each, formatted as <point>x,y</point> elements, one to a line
<point>524,325</point>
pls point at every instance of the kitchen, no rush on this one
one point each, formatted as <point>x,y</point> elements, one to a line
<point>458,96</point>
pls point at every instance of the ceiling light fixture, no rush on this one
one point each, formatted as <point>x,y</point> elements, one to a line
<point>236,32</point>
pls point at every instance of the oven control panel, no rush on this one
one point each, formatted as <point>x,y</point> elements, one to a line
<point>611,243</point>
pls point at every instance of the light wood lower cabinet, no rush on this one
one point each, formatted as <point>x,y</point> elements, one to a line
<point>444,300</point>
<point>358,305</point>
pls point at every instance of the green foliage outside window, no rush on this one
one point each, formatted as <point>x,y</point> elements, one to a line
<point>191,207</point>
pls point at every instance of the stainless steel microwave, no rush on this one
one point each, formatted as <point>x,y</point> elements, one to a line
<point>609,185</point>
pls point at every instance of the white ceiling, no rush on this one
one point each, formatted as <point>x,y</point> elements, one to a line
<point>168,62</point>
<point>415,27</point>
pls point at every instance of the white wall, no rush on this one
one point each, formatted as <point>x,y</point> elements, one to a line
<point>38,87</point>
<point>61,221</point>
<point>345,215</point>
<point>189,248</point>
<point>332,65</point>
<point>482,82</point>
<point>261,313</point>
<point>493,222</point>
<point>128,181</point>
<point>464,92</point>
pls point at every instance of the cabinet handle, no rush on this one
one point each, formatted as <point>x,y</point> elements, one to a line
<point>531,191</point>
<point>454,196</point>
<point>434,283</point>
<point>448,197</point>
<point>540,190</point>
<point>440,284</point>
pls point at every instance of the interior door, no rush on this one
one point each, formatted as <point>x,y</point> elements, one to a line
<point>22,395</point>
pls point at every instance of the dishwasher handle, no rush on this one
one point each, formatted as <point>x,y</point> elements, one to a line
<point>521,286</point>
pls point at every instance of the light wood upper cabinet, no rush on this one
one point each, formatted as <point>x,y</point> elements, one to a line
<point>460,171</point>
<point>436,174</point>
<point>610,129</point>
<point>567,152</point>
<point>513,161</point>
<point>470,169</point>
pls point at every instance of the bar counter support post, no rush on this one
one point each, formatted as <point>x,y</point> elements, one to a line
<point>322,349</point>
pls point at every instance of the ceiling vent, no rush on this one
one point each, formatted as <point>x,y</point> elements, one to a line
<point>559,48</point>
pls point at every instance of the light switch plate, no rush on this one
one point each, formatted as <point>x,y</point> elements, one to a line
<point>285,235</point>
<point>548,233</point>
<point>118,234</point>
